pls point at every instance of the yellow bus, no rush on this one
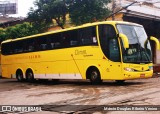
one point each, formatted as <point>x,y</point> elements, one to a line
<point>110,50</point>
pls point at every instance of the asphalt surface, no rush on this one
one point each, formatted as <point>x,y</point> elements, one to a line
<point>80,96</point>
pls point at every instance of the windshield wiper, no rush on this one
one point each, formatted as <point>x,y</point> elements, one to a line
<point>146,55</point>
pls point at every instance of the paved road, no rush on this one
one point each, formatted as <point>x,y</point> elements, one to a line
<point>74,92</point>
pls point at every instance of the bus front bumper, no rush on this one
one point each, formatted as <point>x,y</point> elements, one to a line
<point>137,75</point>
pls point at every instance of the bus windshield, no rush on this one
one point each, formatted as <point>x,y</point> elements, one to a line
<point>139,50</point>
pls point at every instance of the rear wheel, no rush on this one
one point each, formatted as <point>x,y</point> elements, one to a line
<point>19,76</point>
<point>94,76</point>
<point>29,76</point>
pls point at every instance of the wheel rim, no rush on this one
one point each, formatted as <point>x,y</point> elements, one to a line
<point>19,76</point>
<point>30,76</point>
<point>94,75</point>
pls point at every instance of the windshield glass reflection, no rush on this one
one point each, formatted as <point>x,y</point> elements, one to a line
<point>139,50</point>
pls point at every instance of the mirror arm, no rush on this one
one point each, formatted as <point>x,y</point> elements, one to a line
<point>156,41</point>
<point>125,40</point>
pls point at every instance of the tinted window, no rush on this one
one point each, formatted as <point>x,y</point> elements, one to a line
<point>109,42</point>
<point>5,49</point>
<point>88,36</point>
<point>72,38</point>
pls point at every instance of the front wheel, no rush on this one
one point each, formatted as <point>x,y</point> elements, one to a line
<point>95,77</point>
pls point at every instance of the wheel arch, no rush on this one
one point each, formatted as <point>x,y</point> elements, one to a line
<point>19,70</point>
<point>27,70</point>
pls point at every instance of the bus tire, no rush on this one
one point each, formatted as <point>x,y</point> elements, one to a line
<point>29,76</point>
<point>94,75</point>
<point>55,80</point>
<point>120,81</point>
<point>19,75</point>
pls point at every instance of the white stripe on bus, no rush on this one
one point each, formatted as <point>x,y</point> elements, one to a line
<point>58,76</point>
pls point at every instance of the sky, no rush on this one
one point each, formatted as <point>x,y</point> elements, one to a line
<point>23,7</point>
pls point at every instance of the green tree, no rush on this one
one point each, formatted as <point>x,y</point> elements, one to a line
<point>80,11</point>
<point>46,11</point>
<point>3,34</point>
<point>20,30</point>
<point>85,11</point>
<point>17,31</point>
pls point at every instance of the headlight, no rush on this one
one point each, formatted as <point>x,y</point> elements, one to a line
<point>129,69</point>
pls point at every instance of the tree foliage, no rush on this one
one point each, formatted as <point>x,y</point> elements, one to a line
<point>17,31</point>
<point>80,11</point>
<point>85,11</point>
<point>20,30</point>
<point>3,34</point>
<point>46,11</point>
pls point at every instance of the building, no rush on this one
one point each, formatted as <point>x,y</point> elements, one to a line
<point>146,13</point>
<point>8,7</point>
<point>10,21</point>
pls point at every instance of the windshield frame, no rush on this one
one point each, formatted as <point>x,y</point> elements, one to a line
<point>141,51</point>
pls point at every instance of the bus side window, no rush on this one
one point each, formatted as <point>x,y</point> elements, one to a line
<point>114,50</point>
<point>31,45</point>
<point>18,47</point>
<point>73,39</point>
<point>57,44</point>
<point>30,48</point>
<point>55,41</point>
<point>73,43</point>
<point>109,42</point>
<point>52,45</point>
<point>6,49</point>
<point>25,46</point>
<point>88,36</point>
<point>42,42</point>
<point>65,39</point>
<point>43,46</point>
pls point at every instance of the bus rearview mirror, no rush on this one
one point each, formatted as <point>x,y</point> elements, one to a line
<point>125,40</point>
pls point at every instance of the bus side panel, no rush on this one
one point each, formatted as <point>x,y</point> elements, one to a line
<point>74,69</point>
<point>84,57</point>
<point>49,65</point>
<point>108,70</point>
<point>93,56</point>
<point>9,71</point>
<point>4,66</point>
<point>111,70</point>
<point>5,72</point>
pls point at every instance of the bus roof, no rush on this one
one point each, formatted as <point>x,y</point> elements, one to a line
<point>71,28</point>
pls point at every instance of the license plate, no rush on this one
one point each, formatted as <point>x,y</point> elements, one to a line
<point>142,75</point>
